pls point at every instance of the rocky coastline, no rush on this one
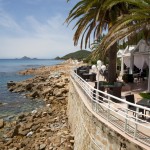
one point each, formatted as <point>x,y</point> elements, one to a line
<point>45,128</point>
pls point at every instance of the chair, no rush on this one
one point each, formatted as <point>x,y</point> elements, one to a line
<point>93,77</point>
<point>101,88</point>
<point>130,98</point>
<point>105,74</point>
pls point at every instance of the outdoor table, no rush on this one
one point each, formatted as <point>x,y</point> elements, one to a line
<point>89,76</point>
<point>137,76</point>
<point>86,76</point>
<point>144,102</point>
<point>115,91</point>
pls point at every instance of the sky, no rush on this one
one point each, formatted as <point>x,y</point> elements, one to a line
<point>35,28</point>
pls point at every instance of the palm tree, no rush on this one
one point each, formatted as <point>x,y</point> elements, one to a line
<point>96,43</point>
<point>129,25</point>
<point>92,18</point>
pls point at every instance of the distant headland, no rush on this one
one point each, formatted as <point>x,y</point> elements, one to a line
<point>80,55</point>
<point>26,58</point>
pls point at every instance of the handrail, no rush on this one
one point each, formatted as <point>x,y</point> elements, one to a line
<point>129,121</point>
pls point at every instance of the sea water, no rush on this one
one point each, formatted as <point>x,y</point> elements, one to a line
<point>14,103</point>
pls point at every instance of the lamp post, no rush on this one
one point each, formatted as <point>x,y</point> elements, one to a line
<point>99,64</point>
<point>97,70</point>
<point>103,67</point>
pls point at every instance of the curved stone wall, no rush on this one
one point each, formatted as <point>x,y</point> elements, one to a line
<point>92,132</point>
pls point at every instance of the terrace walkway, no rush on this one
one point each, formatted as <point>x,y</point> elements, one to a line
<point>117,114</point>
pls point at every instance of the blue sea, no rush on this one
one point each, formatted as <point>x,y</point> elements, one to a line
<point>14,103</point>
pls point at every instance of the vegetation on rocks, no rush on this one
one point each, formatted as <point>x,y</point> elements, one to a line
<point>79,55</point>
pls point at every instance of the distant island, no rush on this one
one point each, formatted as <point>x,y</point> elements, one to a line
<point>80,55</point>
<point>27,58</point>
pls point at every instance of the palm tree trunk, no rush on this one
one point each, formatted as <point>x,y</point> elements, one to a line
<point>112,56</point>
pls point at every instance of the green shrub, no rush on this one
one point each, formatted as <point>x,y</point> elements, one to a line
<point>145,95</point>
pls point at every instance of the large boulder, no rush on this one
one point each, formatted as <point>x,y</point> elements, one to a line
<point>11,83</point>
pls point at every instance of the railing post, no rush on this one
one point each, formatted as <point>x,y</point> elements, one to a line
<point>136,119</point>
<point>126,121</point>
<point>93,100</point>
<point>108,111</point>
<point>97,97</point>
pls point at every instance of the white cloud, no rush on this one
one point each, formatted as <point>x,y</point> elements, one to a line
<point>7,22</point>
<point>51,26</point>
<point>34,38</point>
<point>56,21</point>
<point>47,40</point>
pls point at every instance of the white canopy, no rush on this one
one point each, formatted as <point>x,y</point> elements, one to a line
<point>140,52</point>
<point>138,55</point>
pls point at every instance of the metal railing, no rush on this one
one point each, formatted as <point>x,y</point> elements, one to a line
<point>118,114</point>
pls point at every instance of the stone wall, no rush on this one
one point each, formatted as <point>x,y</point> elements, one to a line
<point>90,131</point>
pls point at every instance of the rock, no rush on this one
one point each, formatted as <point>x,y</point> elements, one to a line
<point>60,98</point>
<point>1,123</point>
<point>34,111</point>
<point>72,141</point>
<point>11,83</point>
<point>9,118</point>
<point>35,127</point>
<point>48,105</point>
<point>57,92</point>
<point>51,98</point>
<point>15,148</point>
<point>39,121</point>
<point>44,114</point>
<point>30,118</point>
<point>48,90</point>
<point>66,80</point>
<point>18,90</point>
<point>69,148</point>
<point>42,146</point>
<point>9,141</point>
<point>21,116</point>
<point>60,85</point>
<point>11,89</point>
<point>29,86</point>
<point>64,90</point>
<point>30,133</point>
<point>21,132</point>
<point>40,86</point>
<point>28,125</point>
<point>34,94</point>
<point>12,132</point>
<point>62,140</point>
